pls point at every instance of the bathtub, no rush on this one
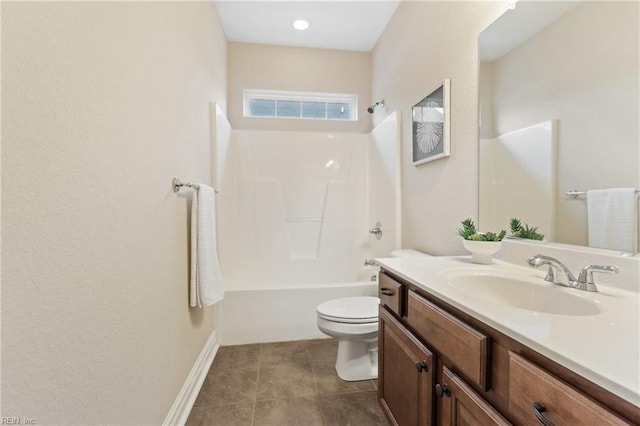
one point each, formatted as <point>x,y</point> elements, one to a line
<point>280,314</point>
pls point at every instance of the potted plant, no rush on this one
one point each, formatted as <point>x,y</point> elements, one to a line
<point>519,230</point>
<point>481,245</point>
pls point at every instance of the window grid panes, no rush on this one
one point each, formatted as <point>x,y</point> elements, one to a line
<point>301,105</point>
<point>314,109</point>
<point>263,107</point>
<point>336,111</point>
<point>288,109</point>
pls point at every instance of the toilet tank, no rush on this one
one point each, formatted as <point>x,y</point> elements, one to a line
<point>408,253</point>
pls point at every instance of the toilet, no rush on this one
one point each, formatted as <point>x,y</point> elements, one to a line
<point>354,322</point>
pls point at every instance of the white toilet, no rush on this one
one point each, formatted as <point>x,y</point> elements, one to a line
<point>354,322</point>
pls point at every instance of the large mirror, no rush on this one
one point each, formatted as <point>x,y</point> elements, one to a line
<point>559,111</point>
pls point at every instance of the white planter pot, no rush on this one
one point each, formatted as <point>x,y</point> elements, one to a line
<point>482,251</point>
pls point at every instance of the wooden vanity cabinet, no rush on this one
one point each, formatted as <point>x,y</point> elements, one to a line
<point>460,405</point>
<point>536,396</point>
<point>473,374</point>
<point>405,385</point>
<point>391,294</point>
<point>463,345</point>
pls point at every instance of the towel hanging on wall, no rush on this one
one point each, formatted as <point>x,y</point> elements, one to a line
<point>612,218</point>
<point>205,281</point>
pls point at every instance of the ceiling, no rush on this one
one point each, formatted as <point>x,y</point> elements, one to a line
<point>344,25</point>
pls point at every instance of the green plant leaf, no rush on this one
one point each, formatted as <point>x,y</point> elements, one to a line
<point>515,225</point>
<point>469,232</point>
<point>468,228</point>
<point>524,231</point>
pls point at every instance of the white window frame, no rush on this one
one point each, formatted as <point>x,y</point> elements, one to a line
<point>279,95</point>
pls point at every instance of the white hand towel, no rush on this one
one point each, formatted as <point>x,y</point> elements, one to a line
<point>612,218</point>
<point>206,281</point>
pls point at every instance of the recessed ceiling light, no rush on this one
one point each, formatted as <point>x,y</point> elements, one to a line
<point>301,24</point>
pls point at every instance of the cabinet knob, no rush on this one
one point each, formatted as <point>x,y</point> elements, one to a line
<point>443,390</point>
<point>422,366</point>
<point>538,409</point>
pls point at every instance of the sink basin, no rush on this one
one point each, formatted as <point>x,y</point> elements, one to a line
<point>524,292</point>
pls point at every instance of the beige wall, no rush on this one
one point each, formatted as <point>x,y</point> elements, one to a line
<point>102,104</point>
<point>590,84</point>
<point>424,43</point>
<point>267,67</point>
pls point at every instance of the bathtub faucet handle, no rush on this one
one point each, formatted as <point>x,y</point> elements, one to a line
<point>376,230</point>
<point>370,262</point>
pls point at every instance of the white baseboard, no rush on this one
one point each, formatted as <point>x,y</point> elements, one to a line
<point>181,407</point>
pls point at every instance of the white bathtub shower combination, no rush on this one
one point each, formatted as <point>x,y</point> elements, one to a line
<point>294,230</point>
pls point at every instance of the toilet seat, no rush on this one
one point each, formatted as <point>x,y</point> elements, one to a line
<point>349,320</point>
<point>350,310</point>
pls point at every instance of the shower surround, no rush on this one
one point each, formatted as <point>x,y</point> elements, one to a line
<point>294,229</point>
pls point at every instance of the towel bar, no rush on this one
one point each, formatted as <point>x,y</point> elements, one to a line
<point>177,184</point>
<point>574,193</point>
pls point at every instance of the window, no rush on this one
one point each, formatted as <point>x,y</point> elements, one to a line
<point>305,105</point>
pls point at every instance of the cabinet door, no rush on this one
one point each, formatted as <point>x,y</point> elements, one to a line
<point>460,405</point>
<point>405,374</point>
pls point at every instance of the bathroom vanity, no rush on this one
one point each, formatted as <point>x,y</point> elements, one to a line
<point>449,353</point>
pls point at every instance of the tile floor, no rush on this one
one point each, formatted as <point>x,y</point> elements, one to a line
<point>283,384</point>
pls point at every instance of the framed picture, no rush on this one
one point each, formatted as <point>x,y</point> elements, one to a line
<point>431,129</point>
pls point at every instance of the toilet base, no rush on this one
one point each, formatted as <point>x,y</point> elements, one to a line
<point>357,359</point>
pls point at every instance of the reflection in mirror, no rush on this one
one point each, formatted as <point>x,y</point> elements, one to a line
<point>559,108</point>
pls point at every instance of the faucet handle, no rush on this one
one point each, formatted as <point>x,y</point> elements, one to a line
<point>371,262</point>
<point>376,230</point>
<point>551,271</point>
<point>585,277</point>
<point>551,274</point>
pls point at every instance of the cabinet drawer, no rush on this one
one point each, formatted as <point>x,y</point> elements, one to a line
<point>464,346</point>
<point>390,293</point>
<point>560,404</point>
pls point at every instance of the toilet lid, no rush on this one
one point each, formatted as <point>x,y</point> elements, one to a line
<point>350,309</point>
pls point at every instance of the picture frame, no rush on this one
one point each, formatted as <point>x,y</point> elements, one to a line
<point>431,129</point>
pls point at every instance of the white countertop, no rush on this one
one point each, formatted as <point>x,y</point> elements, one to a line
<point>604,348</point>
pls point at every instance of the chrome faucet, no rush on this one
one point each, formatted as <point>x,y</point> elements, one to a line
<point>585,277</point>
<point>585,280</point>
<point>555,266</point>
